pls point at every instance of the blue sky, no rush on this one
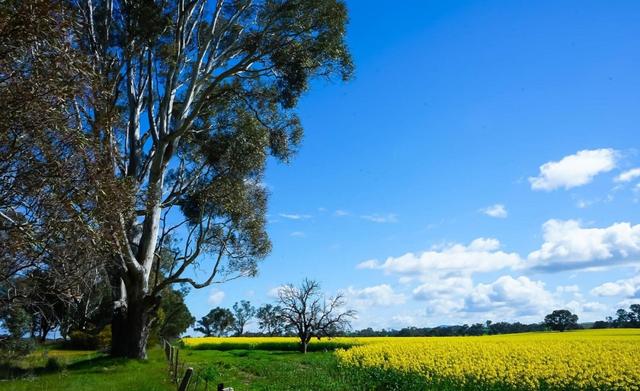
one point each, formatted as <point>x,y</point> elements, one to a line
<point>479,166</point>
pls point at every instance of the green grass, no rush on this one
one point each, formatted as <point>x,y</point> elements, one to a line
<point>272,370</point>
<point>241,369</point>
<point>91,371</point>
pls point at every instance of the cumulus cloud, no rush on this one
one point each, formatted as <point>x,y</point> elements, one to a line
<point>378,295</point>
<point>506,298</point>
<point>297,234</point>
<point>341,213</point>
<point>215,297</point>
<point>574,170</point>
<point>498,211</point>
<point>628,287</point>
<point>381,218</point>
<point>294,216</point>
<point>568,245</point>
<point>481,255</point>
<point>582,307</point>
<point>628,175</point>
<point>519,295</point>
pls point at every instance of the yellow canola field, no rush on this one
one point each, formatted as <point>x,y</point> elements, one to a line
<point>578,360</point>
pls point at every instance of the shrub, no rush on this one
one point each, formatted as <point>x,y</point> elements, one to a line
<point>53,364</point>
<point>82,340</point>
<point>13,348</point>
<point>103,339</point>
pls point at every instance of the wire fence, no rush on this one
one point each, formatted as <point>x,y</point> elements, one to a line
<point>184,376</point>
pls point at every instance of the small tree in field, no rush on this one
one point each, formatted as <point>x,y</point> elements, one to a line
<point>243,312</point>
<point>306,310</point>
<point>217,322</point>
<point>561,320</point>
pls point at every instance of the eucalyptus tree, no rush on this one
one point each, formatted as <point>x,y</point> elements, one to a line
<point>243,312</point>
<point>270,320</point>
<point>196,95</point>
<point>216,323</point>
<point>51,209</point>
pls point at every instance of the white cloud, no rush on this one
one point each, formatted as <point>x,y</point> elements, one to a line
<point>568,245</point>
<point>275,292</point>
<point>481,255</point>
<point>498,211</point>
<point>294,216</point>
<point>568,289</point>
<point>369,264</point>
<point>341,213</point>
<point>628,175</point>
<point>446,286</point>
<point>520,296</point>
<point>379,218</point>
<point>215,297</point>
<point>297,234</point>
<point>378,295</point>
<point>404,320</point>
<point>505,298</point>
<point>582,307</point>
<point>574,170</point>
<point>583,204</point>
<point>629,287</point>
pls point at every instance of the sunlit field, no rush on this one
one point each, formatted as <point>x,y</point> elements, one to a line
<point>578,360</point>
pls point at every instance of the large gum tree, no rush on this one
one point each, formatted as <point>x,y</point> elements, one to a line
<point>195,96</point>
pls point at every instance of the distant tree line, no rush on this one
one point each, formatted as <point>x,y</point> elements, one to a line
<point>623,319</point>
<point>488,327</point>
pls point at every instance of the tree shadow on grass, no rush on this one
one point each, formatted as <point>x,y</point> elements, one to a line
<point>95,364</point>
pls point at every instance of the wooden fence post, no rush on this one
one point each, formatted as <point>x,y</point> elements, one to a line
<point>185,380</point>
<point>167,347</point>
<point>175,368</point>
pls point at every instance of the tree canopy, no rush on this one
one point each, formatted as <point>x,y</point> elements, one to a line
<point>561,320</point>
<point>146,135</point>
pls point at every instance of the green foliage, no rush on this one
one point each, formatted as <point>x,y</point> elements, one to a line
<point>16,321</point>
<point>242,313</point>
<point>561,320</point>
<point>53,364</point>
<point>82,340</point>
<point>270,321</point>
<point>173,316</point>
<point>217,322</point>
<point>12,349</point>
<point>103,338</point>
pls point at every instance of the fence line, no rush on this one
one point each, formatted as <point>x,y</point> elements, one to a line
<point>190,380</point>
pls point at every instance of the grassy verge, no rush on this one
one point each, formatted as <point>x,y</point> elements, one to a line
<point>271,370</point>
<point>90,372</point>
